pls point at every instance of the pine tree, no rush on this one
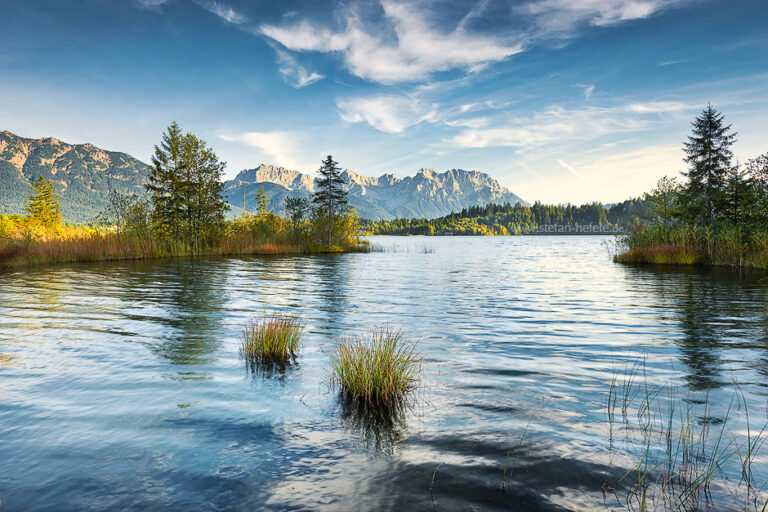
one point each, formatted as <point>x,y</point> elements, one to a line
<point>330,197</point>
<point>708,155</point>
<point>43,205</point>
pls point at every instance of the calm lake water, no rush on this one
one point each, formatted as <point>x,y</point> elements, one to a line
<point>121,385</point>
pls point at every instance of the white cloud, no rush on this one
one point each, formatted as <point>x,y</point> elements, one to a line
<point>152,5</point>
<point>391,114</point>
<point>561,18</point>
<point>224,11</point>
<point>588,90</point>
<point>466,107</point>
<point>659,107</point>
<point>553,125</point>
<point>412,50</point>
<point>558,124</point>
<point>473,122</point>
<point>293,72</point>
<point>280,147</point>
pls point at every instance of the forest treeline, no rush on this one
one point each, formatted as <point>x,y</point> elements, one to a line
<point>508,219</point>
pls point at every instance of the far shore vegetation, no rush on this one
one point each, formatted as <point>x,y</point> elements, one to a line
<point>183,215</point>
<point>717,215</point>
<point>507,219</point>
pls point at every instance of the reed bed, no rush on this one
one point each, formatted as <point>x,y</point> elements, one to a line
<point>378,371</point>
<point>271,340</point>
<point>688,452</point>
<point>114,247</point>
<point>694,245</point>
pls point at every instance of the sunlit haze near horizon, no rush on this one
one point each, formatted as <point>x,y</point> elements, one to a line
<point>560,101</point>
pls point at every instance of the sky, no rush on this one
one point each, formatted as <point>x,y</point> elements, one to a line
<point>559,100</point>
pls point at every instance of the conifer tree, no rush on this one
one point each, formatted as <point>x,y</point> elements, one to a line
<point>164,182</point>
<point>43,204</point>
<point>262,204</point>
<point>330,198</point>
<point>708,154</point>
<point>186,185</point>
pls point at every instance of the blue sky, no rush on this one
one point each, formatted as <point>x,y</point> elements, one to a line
<point>560,100</point>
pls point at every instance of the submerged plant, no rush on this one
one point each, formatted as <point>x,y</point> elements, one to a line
<point>379,371</point>
<point>273,339</point>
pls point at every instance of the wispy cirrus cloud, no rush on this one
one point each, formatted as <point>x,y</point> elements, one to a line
<point>410,49</point>
<point>407,45</point>
<point>660,107</point>
<point>386,113</point>
<point>558,124</point>
<point>223,11</point>
<point>563,18</point>
<point>152,5</point>
<point>294,73</point>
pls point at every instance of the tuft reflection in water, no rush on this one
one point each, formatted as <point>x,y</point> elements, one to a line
<point>121,385</point>
<point>379,428</point>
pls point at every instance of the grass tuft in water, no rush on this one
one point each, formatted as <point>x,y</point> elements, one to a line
<point>379,371</point>
<point>271,340</point>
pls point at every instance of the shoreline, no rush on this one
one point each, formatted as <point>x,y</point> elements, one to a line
<point>95,251</point>
<point>691,257</point>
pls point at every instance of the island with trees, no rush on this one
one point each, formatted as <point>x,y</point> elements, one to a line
<point>184,215</point>
<point>717,215</point>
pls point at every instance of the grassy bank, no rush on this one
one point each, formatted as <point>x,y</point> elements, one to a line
<point>90,246</point>
<point>115,248</point>
<point>694,245</point>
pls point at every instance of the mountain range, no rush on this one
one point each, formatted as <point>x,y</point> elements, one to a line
<point>428,194</point>
<point>83,175</point>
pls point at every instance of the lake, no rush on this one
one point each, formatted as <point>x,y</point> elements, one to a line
<point>548,372</point>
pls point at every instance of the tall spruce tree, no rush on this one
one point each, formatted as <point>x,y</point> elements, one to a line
<point>186,185</point>
<point>330,198</point>
<point>43,205</point>
<point>708,155</point>
<point>164,182</point>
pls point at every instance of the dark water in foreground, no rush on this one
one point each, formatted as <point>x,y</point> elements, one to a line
<point>121,385</point>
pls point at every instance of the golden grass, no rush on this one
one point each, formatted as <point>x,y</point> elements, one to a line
<point>111,246</point>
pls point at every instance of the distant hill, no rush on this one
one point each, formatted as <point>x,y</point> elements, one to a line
<point>82,174</point>
<point>428,194</point>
